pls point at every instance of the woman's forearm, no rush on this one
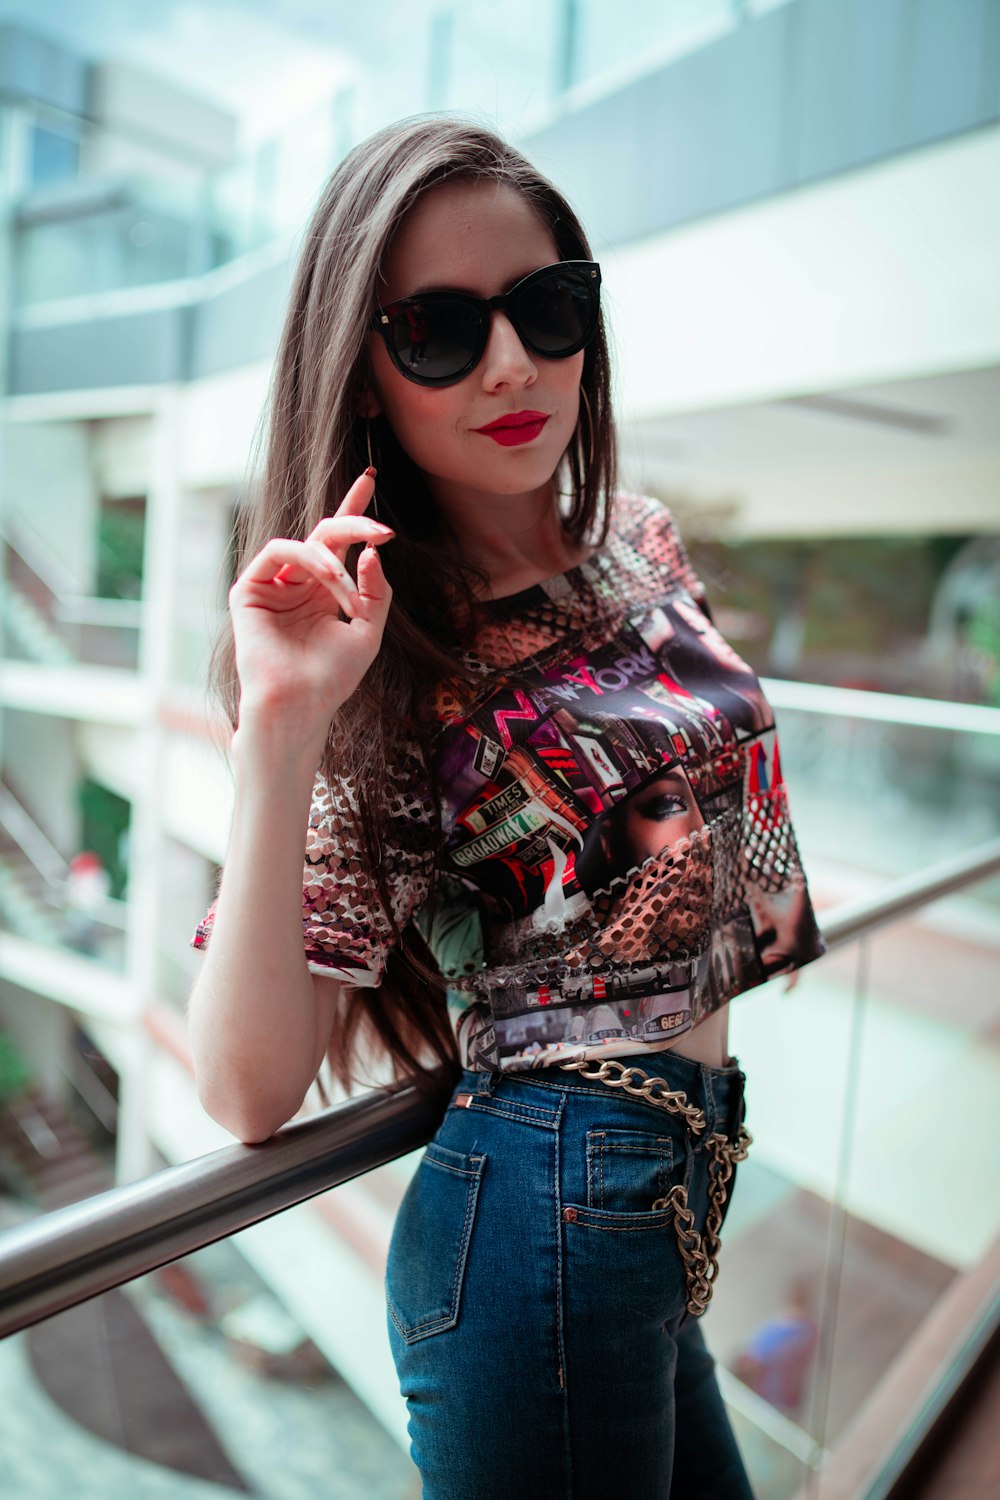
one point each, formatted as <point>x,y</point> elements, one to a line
<point>253,1014</point>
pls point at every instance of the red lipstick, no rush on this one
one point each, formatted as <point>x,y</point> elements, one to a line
<point>516,427</point>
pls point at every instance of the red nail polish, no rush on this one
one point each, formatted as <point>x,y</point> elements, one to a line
<point>371,471</point>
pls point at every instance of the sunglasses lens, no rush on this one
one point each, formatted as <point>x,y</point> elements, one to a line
<point>435,340</point>
<point>558,313</point>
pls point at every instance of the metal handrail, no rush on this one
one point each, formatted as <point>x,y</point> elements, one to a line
<point>71,1254</point>
<point>856,919</point>
<point>881,707</point>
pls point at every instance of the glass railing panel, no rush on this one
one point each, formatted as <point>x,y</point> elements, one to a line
<point>919,1186</point>
<point>876,801</point>
<point>850,1220</point>
<point>855,1211</point>
<point>201,1375</point>
<point>771,1301</point>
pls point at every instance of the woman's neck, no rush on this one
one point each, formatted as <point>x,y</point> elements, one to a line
<point>517,539</point>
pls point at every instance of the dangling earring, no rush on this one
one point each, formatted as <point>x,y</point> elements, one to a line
<point>371,462</point>
<point>590,427</point>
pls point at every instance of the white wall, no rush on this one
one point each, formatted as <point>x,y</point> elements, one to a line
<point>146,124</point>
<point>40,1029</point>
<point>218,423</point>
<point>50,489</point>
<point>40,761</point>
<point>121,456</point>
<point>912,457</point>
<point>884,274</point>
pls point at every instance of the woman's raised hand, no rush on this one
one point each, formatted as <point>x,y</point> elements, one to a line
<point>304,635</point>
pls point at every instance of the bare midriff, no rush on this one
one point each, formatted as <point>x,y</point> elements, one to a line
<point>708,1042</point>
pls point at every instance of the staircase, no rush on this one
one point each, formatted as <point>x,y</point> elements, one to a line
<point>45,1156</point>
<point>24,908</point>
<point>31,632</point>
<point>33,891</point>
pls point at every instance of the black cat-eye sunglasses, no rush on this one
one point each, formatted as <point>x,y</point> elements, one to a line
<point>437,338</point>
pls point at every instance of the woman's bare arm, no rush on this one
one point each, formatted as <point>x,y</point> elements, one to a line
<point>259,1022</point>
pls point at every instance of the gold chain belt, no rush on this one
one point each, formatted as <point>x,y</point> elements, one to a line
<point>700,1254</point>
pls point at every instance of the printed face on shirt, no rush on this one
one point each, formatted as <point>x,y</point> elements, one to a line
<point>648,822</point>
<point>479,238</point>
<point>783,920</point>
<point>651,820</point>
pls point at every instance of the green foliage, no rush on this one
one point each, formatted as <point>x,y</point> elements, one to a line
<point>15,1074</point>
<point>858,597</point>
<point>104,815</point>
<point>984,637</point>
<point>120,542</point>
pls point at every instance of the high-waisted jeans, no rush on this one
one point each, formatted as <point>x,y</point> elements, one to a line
<point>537,1302</point>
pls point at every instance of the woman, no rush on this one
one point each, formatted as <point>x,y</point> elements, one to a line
<point>450,693</point>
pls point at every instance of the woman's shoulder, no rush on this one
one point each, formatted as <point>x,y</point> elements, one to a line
<point>634,516</point>
<point>646,531</point>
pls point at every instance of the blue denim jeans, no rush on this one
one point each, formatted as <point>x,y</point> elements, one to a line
<point>537,1302</point>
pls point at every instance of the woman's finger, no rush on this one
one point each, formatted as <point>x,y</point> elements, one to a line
<point>350,512</point>
<point>287,565</point>
<point>330,565</point>
<point>374,589</point>
<point>355,502</point>
<point>276,554</point>
<point>336,533</point>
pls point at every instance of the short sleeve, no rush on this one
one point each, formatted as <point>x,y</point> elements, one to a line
<point>345,930</point>
<point>681,565</point>
<point>650,529</point>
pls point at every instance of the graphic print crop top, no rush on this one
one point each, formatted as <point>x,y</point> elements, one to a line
<point>619,860</point>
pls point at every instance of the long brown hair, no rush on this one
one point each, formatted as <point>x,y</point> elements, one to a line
<point>317,444</point>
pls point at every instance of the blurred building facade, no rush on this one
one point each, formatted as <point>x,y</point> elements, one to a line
<point>796,211</point>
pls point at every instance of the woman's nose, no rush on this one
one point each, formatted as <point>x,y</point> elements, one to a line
<point>506,361</point>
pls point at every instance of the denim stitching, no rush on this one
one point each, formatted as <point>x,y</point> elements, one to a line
<point>434,1325</point>
<point>446,1166</point>
<point>629,1228</point>
<point>547,1119</point>
<point>563,1375</point>
<point>541,1109</point>
<point>590,1155</point>
<point>598,1146</point>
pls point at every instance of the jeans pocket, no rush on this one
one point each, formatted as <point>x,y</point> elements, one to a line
<point>430,1242</point>
<point>629,1170</point>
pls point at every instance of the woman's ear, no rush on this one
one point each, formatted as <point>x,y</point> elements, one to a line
<point>368,404</point>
